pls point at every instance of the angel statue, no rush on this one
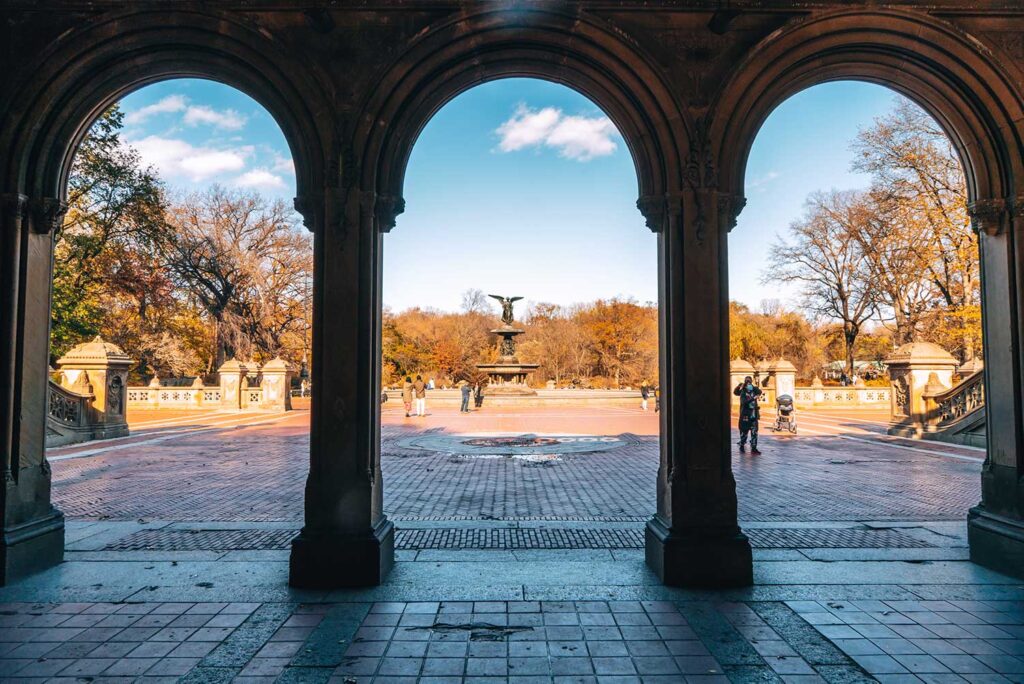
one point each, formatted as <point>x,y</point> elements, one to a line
<point>506,307</point>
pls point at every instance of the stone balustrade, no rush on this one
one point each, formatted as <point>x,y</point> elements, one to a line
<point>779,377</point>
<point>234,390</point>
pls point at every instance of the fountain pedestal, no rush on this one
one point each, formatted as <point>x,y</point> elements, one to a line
<point>508,376</point>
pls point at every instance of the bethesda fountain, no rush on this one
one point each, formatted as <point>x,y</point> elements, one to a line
<point>508,376</point>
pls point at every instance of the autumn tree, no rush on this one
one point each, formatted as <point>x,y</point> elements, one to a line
<point>623,335</point>
<point>245,262</point>
<point>829,265</point>
<point>920,197</point>
<point>103,249</point>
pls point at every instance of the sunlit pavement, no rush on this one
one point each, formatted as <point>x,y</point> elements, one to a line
<point>520,560</point>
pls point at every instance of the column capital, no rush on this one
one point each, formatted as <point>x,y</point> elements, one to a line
<point>989,216</point>
<point>311,209</point>
<point>656,209</point>
<point>729,207</point>
<point>47,214</point>
<point>386,210</point>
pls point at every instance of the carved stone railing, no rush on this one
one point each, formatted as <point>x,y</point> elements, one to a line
<point>66,408</point>
<point>159,397</point>
<point>836,397</point>
<point>955,408</point>
<point>240,387</point>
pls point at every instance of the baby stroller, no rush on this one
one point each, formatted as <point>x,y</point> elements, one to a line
<point>785,414</point>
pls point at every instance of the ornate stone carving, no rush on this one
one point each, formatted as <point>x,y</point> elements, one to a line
<point>653,208</point>
<point>387,209</point>
<point>901,392</point>
<point>701,175</point>
<point>1009,42</point>
<point>47,214</point>
<point>989,216</point>
<point>700,161</point>
<point>310,210</point>
<point>729,208</point>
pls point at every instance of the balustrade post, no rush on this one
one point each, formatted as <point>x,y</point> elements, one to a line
<point>911,368</point>
<point>232,375</point>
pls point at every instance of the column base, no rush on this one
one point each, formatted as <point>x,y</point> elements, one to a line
<point>996,542</point>
<point>30,547</point>
<point>334,561</point>
<point>699,561</point>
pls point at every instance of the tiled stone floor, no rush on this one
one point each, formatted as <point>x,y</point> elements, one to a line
<point>516,642</point>
<point>937,641</point>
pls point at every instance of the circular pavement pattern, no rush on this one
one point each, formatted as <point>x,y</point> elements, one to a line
<point>519,446</point>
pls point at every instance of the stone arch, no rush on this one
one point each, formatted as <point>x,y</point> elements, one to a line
<point>954,77</point>
<point>70,86</point>
<point>573,50</point>
<point>933,63</point>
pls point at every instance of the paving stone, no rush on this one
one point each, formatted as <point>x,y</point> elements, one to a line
<point>184,479</point>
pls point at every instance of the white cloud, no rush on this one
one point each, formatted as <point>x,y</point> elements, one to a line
<point>175,158</point>
<point>201,114</point>
<point>259,178</point>
<point>761,181</point>
<point>283,164</point>
<point>171,103</point>
<point>575,137</point>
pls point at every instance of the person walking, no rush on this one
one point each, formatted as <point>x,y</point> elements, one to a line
<point>467,392</point>
<point>419,389</point>
<point>407,394</point>
<point>750,413</point>
<point>645,392</point>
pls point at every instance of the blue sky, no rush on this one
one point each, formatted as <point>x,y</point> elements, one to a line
<point>518,186</point>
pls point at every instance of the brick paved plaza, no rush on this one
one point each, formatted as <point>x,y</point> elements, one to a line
<point>520,561</point>
<point>838,469</point>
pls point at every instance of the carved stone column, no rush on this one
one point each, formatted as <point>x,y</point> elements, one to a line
<point>347,540</point>
<point>995,526</point>
<point>694,539</point>
<point>32,529</point>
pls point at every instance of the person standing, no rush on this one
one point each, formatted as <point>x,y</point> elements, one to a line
<point>645,392</point>
<point>467,391</point>
<point>419,389</point>
<point>750,413</point>
<point>407,394</point>
<point>478,395</point>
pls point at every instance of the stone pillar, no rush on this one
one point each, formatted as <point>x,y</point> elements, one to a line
<point>32,534</point>
<point>694,538</point>
<point>232,377</point>
<point>784,375</point>
<point>738,369</point>
<point>995,527</point>
<point>819,390</point>
<point>198,386</point>
<point>154,394</point>
<point>106,368</point>
<point>276,383</point>
<point>346,540</point>
<point>910,369</point>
